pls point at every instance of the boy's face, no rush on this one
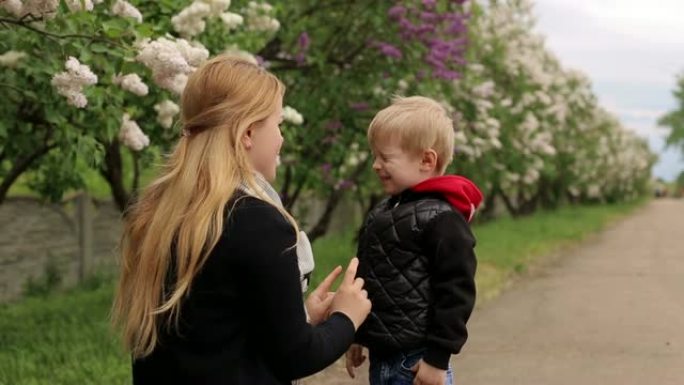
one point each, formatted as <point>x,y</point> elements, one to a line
<point>397,168</point>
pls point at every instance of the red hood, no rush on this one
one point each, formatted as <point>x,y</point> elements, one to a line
<point>459,191</point>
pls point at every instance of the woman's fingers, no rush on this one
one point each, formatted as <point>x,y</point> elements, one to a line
<point>326,284</point>
<point>350,274</point>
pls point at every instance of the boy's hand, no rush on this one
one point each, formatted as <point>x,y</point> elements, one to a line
<point>354,358</point>
<point>318,302</point>
<point>427,374</point>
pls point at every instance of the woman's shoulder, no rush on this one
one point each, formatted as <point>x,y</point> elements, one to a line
<point>241,201</point>
<point>248,210</point>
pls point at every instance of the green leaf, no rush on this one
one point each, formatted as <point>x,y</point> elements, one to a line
<point>115,28</point>
<point>98,48</point>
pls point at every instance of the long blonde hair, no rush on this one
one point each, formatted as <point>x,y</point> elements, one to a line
<point>181,214</point>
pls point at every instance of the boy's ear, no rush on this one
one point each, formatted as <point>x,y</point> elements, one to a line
<point>429,160</point>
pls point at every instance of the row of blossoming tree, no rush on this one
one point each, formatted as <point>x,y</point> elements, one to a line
<point>95,83</point>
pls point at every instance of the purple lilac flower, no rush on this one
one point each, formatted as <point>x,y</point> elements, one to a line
<point>389,50</point>
<point>326,168</point>
<point>441,33</point>
<point>330,139</point>
<point>397,11</point>
<point>359,106</point>
<point>345,184</point>
<point>333,125</point>
<point>304,42</point>
<point>429,4</point>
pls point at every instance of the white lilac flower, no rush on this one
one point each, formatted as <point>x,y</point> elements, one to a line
<point>70,83</point>
<point>41,8</point>
<point>190,21</point>
<point>131,83</point>
<point>125,9</point>
<point>232,20</point>
<point>79,5</point>
<point>484,90</point>
<point>594,191</point>
<point>11,58</point>
<point>171,61</point>
<point>131,135</point>
<point>13,7</point>
<point>166,111</point>
<point>293,116</point>
<point>259,18</point>
<point>217,6</point>
<point>237,52</point>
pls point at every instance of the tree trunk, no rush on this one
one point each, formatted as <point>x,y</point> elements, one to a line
<point>487,212</point>
<point>510,207</point>
<point>112,171</point>
<point>19,166</point>
<point>336,195</point>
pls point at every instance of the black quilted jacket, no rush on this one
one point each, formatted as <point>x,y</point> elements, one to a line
<point>417,259</point>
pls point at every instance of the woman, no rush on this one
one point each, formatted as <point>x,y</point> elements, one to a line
<point>209,291</point>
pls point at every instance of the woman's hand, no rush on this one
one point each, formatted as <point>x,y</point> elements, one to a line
<point>351,299</point>
<point>318,302</point>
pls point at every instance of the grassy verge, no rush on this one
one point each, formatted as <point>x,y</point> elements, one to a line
<point>61,339</point>
<point>65,338</point>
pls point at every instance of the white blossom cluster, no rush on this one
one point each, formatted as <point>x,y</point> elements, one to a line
<point>190,21</point>
<point>131,135</point>
<point>11,58</point>
<point>259,17</point>
<point>79,5</point>
<point>293,116</point>
<point>233,50</point>
<point>527,119</point>
<point>123,8</point>
<point>131,83</point>
<point>166,111</point>
<point>171,61</point>
<point>70,83</point>
<point>232,20</point>
<point>45,9</point>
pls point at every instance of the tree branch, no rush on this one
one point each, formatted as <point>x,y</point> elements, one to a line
<point>21,164</point>
<point>55,36</point>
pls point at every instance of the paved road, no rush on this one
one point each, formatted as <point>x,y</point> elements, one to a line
<point>608,312</point>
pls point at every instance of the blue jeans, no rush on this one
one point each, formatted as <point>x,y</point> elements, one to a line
<point>396,369</point>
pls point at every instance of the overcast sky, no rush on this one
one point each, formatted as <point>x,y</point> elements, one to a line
<point>632,50</point>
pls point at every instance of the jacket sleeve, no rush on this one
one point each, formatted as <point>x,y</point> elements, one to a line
<point>450,246</point>
<point>291,347</point>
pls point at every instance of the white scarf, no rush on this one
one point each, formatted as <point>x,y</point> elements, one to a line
<point>305,258</point>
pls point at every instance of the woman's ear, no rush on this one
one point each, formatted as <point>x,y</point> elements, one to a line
<point>428,162</point>
<point>247,139</point>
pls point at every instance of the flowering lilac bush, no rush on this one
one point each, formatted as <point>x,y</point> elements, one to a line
<point>84,78</point>
<point>95,84</point>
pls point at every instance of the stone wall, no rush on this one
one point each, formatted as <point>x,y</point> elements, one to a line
<point>34,235</point>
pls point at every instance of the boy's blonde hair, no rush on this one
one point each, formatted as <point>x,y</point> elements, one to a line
<point>418,123</point>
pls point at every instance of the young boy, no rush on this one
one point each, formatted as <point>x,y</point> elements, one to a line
<point>416,249</point>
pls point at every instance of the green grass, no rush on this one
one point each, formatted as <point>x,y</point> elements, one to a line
<point>61,339</point>
<point>65,338</point>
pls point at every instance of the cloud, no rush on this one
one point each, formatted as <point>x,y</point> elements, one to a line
<point>626,42</point>
<point>631,51</point>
